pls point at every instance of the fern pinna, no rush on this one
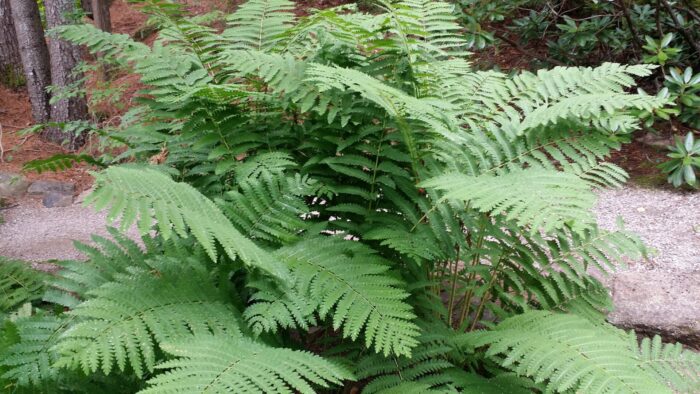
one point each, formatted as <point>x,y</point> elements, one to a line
<point>340,200</point>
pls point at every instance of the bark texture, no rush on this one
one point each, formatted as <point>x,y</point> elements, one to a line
<point>34,55</point>
<point>64,59</point>
<point>101,15</point>
<point>10,61</point>
<point>87,7</point>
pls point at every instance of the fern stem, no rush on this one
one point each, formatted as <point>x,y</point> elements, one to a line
<point>485,296</point>
<point>472,275</point>
<point>374,171</point>
<point>453,290</point>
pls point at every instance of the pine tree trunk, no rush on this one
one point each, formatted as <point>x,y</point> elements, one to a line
<point>64,58</point>
<point>34,55</point>
<point>101,16</point>
<point>10,61</point>
<point>87,7</point>
<point>103,21</point>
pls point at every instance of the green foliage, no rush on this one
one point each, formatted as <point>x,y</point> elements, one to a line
<point>352,280</point>
<point>149,194</point>
<point>345,184</point>
<point>569,351</point>
<point>221,364</point>
<point>61,161</point>
<point>684,160</point>
<point>546,200</point>
<point>19,283</point>
<point>684,90</point>
<point>167,302</point>
<point>598,30</point>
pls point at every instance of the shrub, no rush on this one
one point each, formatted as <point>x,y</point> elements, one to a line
<point>339,199</point>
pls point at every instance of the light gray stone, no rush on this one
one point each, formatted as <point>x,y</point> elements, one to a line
<point>658,302</point>
<point>12,185</point>
<point>42,187</point>
<point>57,199</point>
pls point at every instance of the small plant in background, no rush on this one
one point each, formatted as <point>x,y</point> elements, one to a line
<point>660,51</point>
<point>578,39</point>
<point>532,26</point>
<point>684,162</point>
<point>684,89</point>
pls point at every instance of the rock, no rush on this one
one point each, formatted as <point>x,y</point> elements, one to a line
<point>54,199</point>
<point>655,141</point>
<point>664,303</point>
<point>12,185</point>
<point>43,187</point>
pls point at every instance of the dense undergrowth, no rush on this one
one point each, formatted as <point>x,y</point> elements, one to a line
<point>580,33</point>
<point>341,201</point>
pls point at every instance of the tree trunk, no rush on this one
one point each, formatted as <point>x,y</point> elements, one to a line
<point>64,58</point>
<point>87,7</point>
<point>10,61</point>
<point>103,21</point>
<point>34,55</point>
<point>101,16</point>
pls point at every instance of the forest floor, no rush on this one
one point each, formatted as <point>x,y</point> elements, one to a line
<point>667,220</point>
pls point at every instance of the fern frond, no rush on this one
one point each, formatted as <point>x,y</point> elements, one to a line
<point>426,367</point>
<point>670,363</point>
<point>118,46</point>
<point>106,260</point>
<point>350,283</point>
<point>259,24</point>
<point>569,352</point>
<point>147,193</point>
<point>282,72</point>
<point>30,361</point>
<point>19,283</point>
<point>219,363</point>
<point>537,199</point>
<point>60,162</point>
<point>269,207</point>
<point>125,320</point>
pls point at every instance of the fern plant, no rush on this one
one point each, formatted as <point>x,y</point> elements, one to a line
<point>342,201</point>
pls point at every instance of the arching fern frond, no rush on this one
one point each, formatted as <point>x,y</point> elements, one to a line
<point>570,353</point>
<point>537,199</point>
<point>106,260</point>
<point>219,363</point>
<point>147,193</point>
<point>118,46</point>
<point>349,283</point>
<point>60,162</point>
<point>125,320</point>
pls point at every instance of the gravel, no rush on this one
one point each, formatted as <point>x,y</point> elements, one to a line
<point>34,233</point>
<point>667,221</point>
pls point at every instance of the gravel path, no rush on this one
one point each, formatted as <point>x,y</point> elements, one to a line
<point>32,232</point>
<point>668,222</point>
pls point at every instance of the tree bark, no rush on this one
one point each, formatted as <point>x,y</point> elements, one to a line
<point>87,7</point>
<point>34,55</point>
<point>103,21</point>
<point>10,60</point>
<point>64,58</point>
<point>101,16</point>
